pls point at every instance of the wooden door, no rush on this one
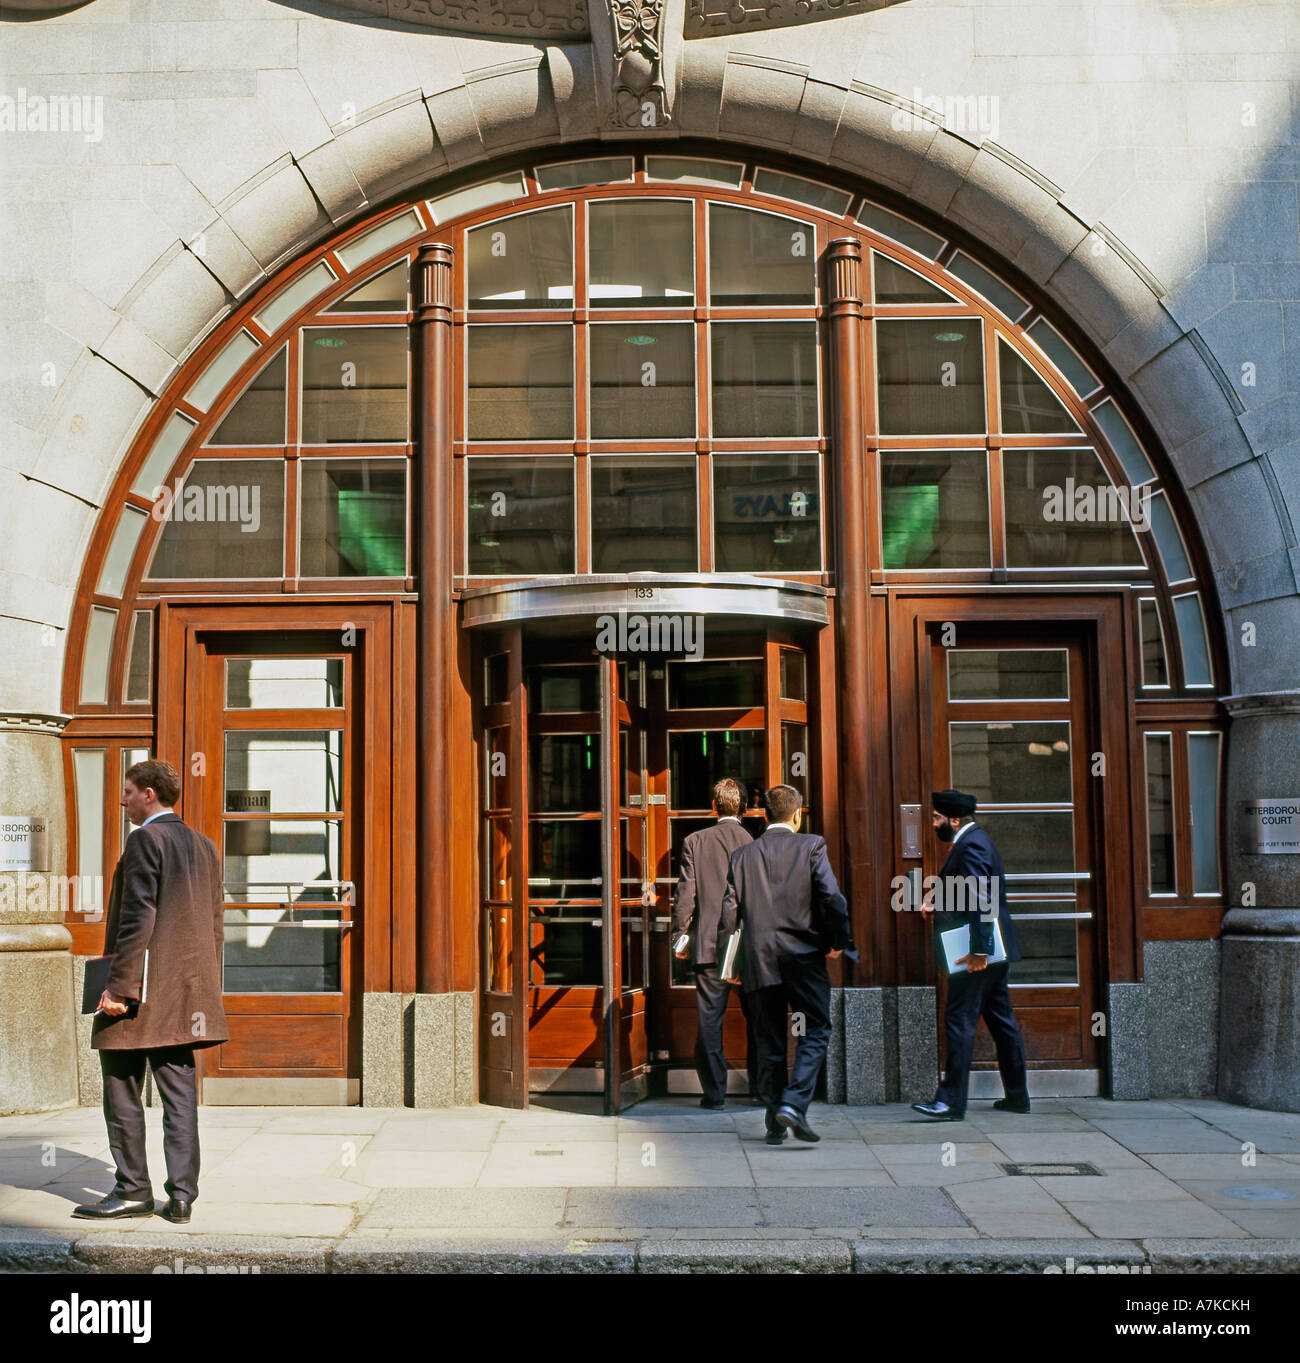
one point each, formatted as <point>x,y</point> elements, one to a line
<point>503,1018</point>
<point>274,752</point>
<point>1013,727</point>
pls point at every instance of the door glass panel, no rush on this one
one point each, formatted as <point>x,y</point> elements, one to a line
<point>269,854</point>
<point>569,952</point>
<point>935,509</point>
<point>139,666</point>
<point>520,516</point>
<point>564,688</point>
<point>496,679</point>
<point>931,376</point>
<point>760,259</point>
<point>520,383</point>
<point>643,515</point>
<point>1203,772</point>
<point>497,948</point>
<point>642,380</point>
<point>284,772</point>
<point>353,384</point>
<point>1049,950</point>
<point>284,683</point>
<point>766,513</point>
<point>496,768</point>
<point>794,675</point>
<point>523,262</point>
<point>642,254</point>
<point>764,378</point>
<point>499,883</point>
<point>267,952</point>
<point>353,518</point>
<point>1158,749</point>
<point>1007,674</point>
<point>795,768</point>
<point>564,773</point>
<point>1004,764</point>
<point>698,760</point>
<point>1155,671</point>
<point>1063,511</point>
<point>715,685</point>
<point>1032,842</point>
<point>564,860</point>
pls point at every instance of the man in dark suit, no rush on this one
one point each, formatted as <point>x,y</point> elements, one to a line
<point>701,883</point>
<point>782,892</point>
<point>972,890</point>
<point>166,899</point>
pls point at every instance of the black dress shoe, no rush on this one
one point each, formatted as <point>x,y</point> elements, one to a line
<point>940,1111</point>
<point>711,1105</point>
<point>776,1137</point>
<point>1012,1104</point>
<point>112,1207</point>
<point>786,1116</point>
<point>177,1210</point>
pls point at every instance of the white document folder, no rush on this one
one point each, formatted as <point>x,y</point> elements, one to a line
<point>956,944</point>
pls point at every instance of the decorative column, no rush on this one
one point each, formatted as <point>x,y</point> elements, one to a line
<point>1259,1010</point>
<point>433,506</point>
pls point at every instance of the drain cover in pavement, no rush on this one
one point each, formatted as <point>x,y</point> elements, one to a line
<point>1255,1193</point>
<point>548,1152</point>
<point>1047,1170</point>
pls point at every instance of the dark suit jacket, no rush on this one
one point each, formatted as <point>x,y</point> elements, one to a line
<point>783,891</point>
<point>166,897</point>
<point>958,902</point>
<point>701,883</point>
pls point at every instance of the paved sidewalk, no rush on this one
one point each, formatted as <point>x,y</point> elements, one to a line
<point>1178,1186</point>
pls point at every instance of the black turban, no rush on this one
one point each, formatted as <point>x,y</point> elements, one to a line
<point>955,804</point>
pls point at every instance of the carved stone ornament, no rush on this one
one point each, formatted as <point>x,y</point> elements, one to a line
<point>639,100</point>
<point>712,18</point>
<point>501,18</point>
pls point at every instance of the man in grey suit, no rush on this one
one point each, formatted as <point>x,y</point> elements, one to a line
<point>701,881</point>
<point>166,899</point>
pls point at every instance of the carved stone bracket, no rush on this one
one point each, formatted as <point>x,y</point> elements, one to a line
<point>711,18</point>
<point>499,18</point>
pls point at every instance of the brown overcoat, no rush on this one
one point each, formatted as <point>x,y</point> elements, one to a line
<point>166,897</point>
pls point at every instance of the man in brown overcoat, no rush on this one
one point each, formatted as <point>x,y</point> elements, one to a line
<point>166,899</point>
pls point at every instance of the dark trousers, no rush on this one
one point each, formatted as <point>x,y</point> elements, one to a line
<point>711,994</point>
<point>173,1076</point>
<point>805,990</point>
<point>973,995</point>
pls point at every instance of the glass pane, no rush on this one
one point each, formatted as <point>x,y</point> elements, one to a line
<point>378,239</point>
<point>284,683</point>
<point>263,856</point>
<point>570,174</point>
<point>520,516</point>
<point>521,383</point>
<point>1004,299</point>
<point>766,513</point>
<point>1203,771</point>
<point>297,771</point>
<point>266,953</point>
<point>1063,511</point>
<point>642,381</point>
<point>1049,952</point>
<point>284,304</point>
<point>1008,674</point>
<point>523,262</point>
<point>811,192</point>
<point>88,781</point>
<point>353,384</point>
<point>227,521</point>
<point>353,518</point>
<point>257,418</point>
<point>496,768</point>
<point>1191,636</point>
<point>130,756</point>
<point>121,551</point>
<point>221,369</point>
<point>496,675</point>
<point>697,761</point>
<point>643,515</point>
<point>1158,749</point>
<point>691,171</point>
<point>565,688</point>
<point>564,773</point>
<point>935,509</point>
<point>162,456</point>
<point>1029,407</point>
<point>1012,764</point>
<point>475,197</point>
<point>1032,842</point>
<point>497,948</point>
<point>139,666</point>
<point>95,659</point>
<point>564,858</point>
<point>1170,543</point>
<point>570,954</point>
<point>1122,440</point>
<point>900,229</point>
<point>895,283</point>
<point>796,769</point>
<point>764,378</point>
<point>388,291</point>
<point>794,675</point>
<point>642,254</point>
<point>1155,670</point>
<point>760,259</point>
<point>931,376</point>
<point>1059,351</point>
<point>714,685</point>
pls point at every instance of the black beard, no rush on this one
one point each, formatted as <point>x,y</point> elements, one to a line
<point>945,832</point>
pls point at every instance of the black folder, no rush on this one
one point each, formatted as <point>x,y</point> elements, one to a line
<point>97,968</point>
